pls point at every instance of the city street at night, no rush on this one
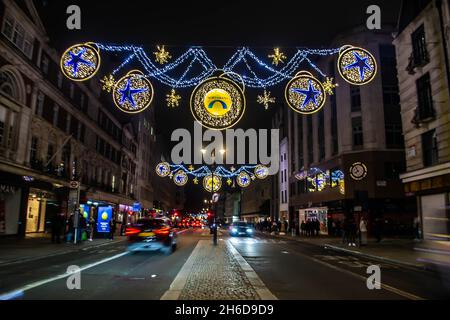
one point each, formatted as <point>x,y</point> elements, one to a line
<point>289,270</point>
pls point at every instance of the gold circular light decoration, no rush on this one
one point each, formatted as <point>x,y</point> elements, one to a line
<point>133,93</point>
<point>80,62</point>
<point>180,178</point>
<point>358,171</point>
<point>261,172</point>
<point>356,65</point>
<point>305,94</point>
<point>218,103</point>
<point>243,180</point>
<point>163,169</point>
<point>209,185</point>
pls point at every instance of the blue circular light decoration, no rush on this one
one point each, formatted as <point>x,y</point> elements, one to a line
<point>356,65</point>
<point>261,172</point>
<point>133,93</point>
<point>243,180</point>
<point>305,94</point>
<point>80,62</point>
<point>163,169</point>
<point>180,178</point>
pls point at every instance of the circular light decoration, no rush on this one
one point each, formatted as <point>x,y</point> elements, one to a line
<point>218,103</point>
<point>305,94</point>
<point>261,172</point>
<point>356,65</point>
<point>358,171</point>
<point>302,175</point>
<point>80,62</point>
<point>209,185</point>
<point>163,169</point>
<point>180,178</point>
<point>243,180</point>
<point>133,93</point>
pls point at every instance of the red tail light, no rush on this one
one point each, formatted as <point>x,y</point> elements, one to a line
<point>132,231</point>
<point>162,232</point>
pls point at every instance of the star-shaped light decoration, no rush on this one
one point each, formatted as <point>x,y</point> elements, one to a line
<point>229,182</point>
<point>108,83</point>
<point>76,59</point>
<point>328,86</point>
<point>191,168</point>
<point>162,56</point>
<point>310,94</point>
<point>171,175</point>
<point>265,99</point>
<point>173,99</point>
<point>232,169</point>
<point>361,63</point>
<point>128,93</point>
<point>195,180</point>
<point>253,177</point>
<point>277,56</point>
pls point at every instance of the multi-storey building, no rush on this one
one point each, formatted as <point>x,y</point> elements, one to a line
<point>357,125</point>
<point>256,201</point>
<point>422,45</point>
<point>53,131</point>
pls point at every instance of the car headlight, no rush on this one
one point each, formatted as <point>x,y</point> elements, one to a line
<point>249,230</point>
<point>234,230</point>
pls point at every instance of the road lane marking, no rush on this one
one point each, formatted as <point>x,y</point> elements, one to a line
<point>386,287</point>
<point>20,291</point>
<point>259,286</point>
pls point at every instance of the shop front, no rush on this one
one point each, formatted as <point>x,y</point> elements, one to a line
<point>10,203</point>
<point>313,214</point>
<point>42,206</point>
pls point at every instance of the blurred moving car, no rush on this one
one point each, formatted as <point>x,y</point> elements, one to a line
<point>150,235</point>
<point>241,229</point>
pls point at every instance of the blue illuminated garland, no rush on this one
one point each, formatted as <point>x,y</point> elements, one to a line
<point>206,171</point>
<point>196,55</point>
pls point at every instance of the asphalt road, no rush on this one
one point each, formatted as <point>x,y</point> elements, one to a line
<point>289,269</point>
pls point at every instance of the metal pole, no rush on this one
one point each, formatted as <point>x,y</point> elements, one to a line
<point>212,205</point>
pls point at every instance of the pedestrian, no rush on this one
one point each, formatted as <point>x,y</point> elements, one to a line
<point>286,226</point>
<point>112,228</point>
<point>57,224</point>
<point>317,227</point>
<point>303,228</point>
<point>377,230</point>
<point>363,232</point>
<point>416,224</point>
<point>91,227</point>
<point>345,231</point>
<point>351,232</point>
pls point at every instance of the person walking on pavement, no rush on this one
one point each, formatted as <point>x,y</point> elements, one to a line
<point>351,233</point>
<point>91,227</point>
<point>363,232</point>
<point>112,228</point>
<point>57,224</point>
<point>317,226</point>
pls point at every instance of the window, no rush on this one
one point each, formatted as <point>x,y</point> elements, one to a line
<point>425,98</point>
<point>321,135</point>
<point>310,140</point>
<point>34,149</point>
<point>357,130</point>
<point>355,96</point>
<point>40,104</point>
<point>45,62</point>
<point>301,157</point>
<point>420,52</point>
<point>72,91</point>
<point>15,33</point>
<point>392,170</point>
<point>50,151</point>
<point>60,80</point>
<point>430,148</point>
<point>394,136</point>
<point>2,124</point>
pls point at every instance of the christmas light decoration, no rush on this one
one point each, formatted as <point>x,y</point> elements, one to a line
<point>305,94</point>
<point>218,103</point>
<point>357,66</point>
<point>133,93</point>
<point>277,57</point>
<point>212,183</point>
<point>358,171</point>
<point>162,56</point>
<point>173,99</point>
<point>243,180</point>
<point>80,62</point>
<point>108,83</point>
<point>265,99</point>
<point>163,169</point>
<point>329,86</point>
<point>261,172</point>
<point>180,178</point>
<point>318,180</point>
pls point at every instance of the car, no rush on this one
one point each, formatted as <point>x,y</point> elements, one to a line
<point>150,234</point>
<point>241,229</point>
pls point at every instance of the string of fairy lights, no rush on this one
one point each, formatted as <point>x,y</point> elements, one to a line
<point>218,99</point>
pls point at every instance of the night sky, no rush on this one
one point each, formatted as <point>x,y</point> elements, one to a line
<point>218,26</point>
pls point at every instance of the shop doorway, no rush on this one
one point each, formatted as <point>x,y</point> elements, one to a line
<point>320,214</point>
<point>41,207</point>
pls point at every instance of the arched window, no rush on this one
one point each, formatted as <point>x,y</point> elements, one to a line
<point>11,86</point>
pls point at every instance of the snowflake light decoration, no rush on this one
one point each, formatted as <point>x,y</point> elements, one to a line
<point>328,86</point>
<point>162,56</point>
<point>277,57</point>
<point>265,99</point>
<point>108,83</point>
<point>173,99</point>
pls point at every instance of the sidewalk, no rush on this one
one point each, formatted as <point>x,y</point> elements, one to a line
<point>405,252</point>
<point>14,250</point>
<point>217,273</point>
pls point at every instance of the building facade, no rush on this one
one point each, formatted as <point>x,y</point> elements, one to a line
<point>423,50</point>
<point>56,135</point>
<point>361,128</point>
